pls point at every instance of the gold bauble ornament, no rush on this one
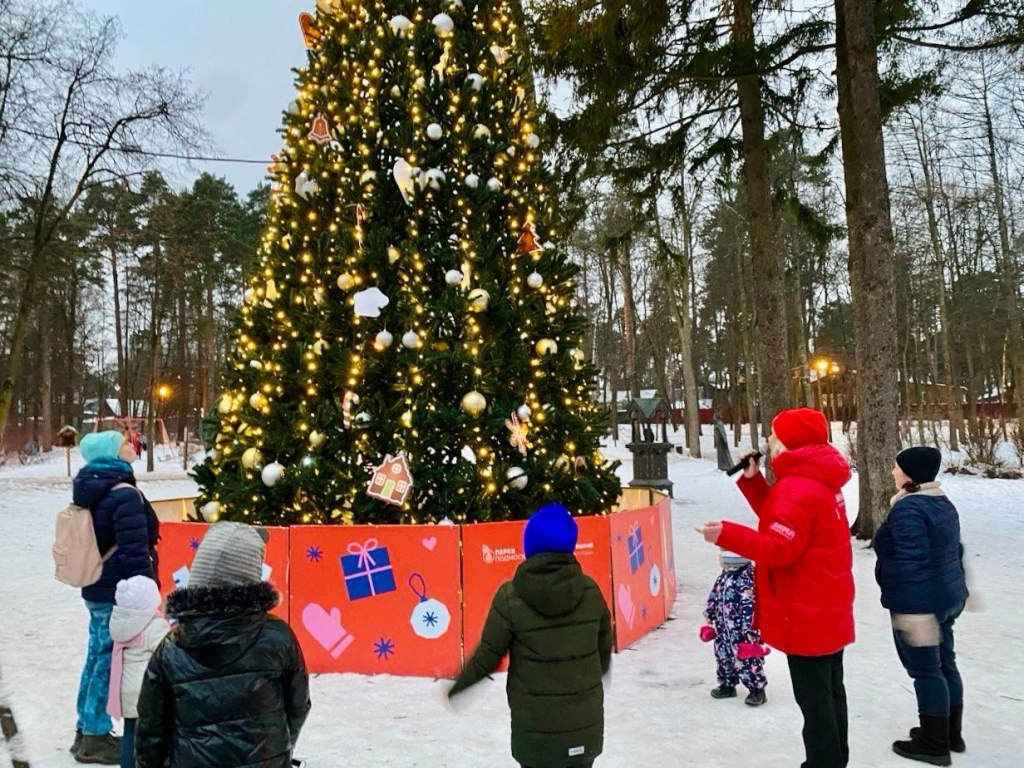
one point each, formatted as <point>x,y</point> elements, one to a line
<point>478,300</point>
<point>547,347</point>
<point>252,458</point>
<point>258,402</point>
<point>474,403</point>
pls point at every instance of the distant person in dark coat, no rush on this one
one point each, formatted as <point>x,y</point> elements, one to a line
<point>229,686</point>
<point>122,518</point>
<point>554,623</point>
<point>920,571</point>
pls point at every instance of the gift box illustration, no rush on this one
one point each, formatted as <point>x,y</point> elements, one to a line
<point>635,543</point>
<point>367,569</point>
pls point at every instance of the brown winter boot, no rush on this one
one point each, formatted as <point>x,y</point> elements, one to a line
<point>932,744</point>
<point>99,750</point>
<point>956,725</point>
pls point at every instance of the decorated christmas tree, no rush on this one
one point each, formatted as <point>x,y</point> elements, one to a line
<point>409,350</point>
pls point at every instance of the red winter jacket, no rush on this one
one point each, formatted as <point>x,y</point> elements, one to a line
<point>802,550</point>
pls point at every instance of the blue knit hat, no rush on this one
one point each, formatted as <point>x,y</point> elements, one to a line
<point>551,529</point>
<point>101,445</point>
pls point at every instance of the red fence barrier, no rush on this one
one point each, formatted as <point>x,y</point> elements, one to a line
<point>412,600</point>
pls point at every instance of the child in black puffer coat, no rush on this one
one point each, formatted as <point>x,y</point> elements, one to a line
<point>229,686</point>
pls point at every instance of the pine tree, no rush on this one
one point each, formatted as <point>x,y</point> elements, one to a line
<point>411,300</point>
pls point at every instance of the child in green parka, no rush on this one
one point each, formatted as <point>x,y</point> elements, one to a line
<point>554,624</point>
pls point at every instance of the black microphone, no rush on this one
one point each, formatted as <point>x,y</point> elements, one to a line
<point>755,457</point>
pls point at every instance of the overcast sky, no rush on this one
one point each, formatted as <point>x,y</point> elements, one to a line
<point>239,52</point>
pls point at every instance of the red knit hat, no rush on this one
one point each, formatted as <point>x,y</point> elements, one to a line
<point>799,427</point>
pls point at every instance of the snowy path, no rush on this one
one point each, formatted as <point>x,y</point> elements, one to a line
<point>658,712</point>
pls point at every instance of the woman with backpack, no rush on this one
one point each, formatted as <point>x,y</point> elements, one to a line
<point>127,531</point>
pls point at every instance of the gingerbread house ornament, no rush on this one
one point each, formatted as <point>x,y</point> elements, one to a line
<point>529,242</point>
<point>391,481</point>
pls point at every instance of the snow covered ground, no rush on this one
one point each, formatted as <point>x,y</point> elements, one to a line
<point>658,709</point>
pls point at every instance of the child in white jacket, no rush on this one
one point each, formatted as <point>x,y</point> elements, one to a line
<point>137,628</point>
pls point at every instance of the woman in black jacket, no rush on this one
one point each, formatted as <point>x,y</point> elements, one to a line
<point>127,531</point>
<point>229,685</point>
<point>920,571</point>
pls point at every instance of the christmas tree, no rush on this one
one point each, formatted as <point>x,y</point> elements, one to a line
<point>409,349</point>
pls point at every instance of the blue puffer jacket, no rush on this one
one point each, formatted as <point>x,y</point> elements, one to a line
<point>920,558</point>
<point>122,518</point>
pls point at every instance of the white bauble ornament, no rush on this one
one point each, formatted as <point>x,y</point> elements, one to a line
<point>517,478</point>
<point>396,92</point>
<point>472,181</point>
<point>252,458</point>
<point>210,511</point>
<point>533,141</point>
<point>435,178</point>
<point>258,402</point>
<point>317,439</point>
<point>256,364</point>
<point>453,277</point>
<point>294,108</point>
<point>327,6</point>
<point>578,355</point>
<point>320,346</point>
<point>226,405</point>
<point>481,132</point>
<point>469,455</point>
<point>474,403</point>
<point>524,412</point>
<point>411,340</point>
<point>250,294</point>
<point>400,24</point>
<point>393,255</point>
<point>435,132</point>
<point>272,474</point>
<point>346,282</point>
<point>384,340</point>
<point>367,176</point>
<point>420,84</point>
<point>494,184</point>
<point>444,25</point>
<point>547,347</point>
<point>500,54</point>
<point>478,300</point>
<point>535,280</point>
<point>475,81</point>
<point>511,151</point>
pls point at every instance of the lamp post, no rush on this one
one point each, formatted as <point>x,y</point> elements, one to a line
<point>822,366</point>
<point>834,370</point>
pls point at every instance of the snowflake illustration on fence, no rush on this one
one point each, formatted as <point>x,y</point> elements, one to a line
<point>384,648</point>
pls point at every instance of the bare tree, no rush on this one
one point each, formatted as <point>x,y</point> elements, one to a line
<point>87,125</point>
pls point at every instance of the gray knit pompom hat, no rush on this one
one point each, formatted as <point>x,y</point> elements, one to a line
<point>231,555</point>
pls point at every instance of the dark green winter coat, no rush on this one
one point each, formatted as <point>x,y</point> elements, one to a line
<point>553,622</point>
<point>227,689</point>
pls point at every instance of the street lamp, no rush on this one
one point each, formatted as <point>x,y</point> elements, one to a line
<point>823,366</point>
<point>164,391</point>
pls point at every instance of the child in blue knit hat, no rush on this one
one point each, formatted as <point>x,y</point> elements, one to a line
<point>554,624</point>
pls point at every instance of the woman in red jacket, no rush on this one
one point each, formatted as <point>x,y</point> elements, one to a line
<point>804,572</point>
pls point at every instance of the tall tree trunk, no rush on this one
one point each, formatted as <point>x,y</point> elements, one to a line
<point>950,378</point>
<point>872,275</point>
<point>45,379</point>
<point>122,364</point>
<point>629,318</point>
<point>748,357</point>
<point>1008,265</point>
<point>209,331</point>
<point>774,377</point>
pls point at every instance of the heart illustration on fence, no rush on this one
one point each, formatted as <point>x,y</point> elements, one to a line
<point>626,607</point>
<point>430,543</point>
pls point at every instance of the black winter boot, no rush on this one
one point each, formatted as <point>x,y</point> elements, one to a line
<point>724,692</point>
<point>932,744</point>
<point>77,743</point>
<point>956,721</point>
<point>99,750</point>
<point>756,698</point>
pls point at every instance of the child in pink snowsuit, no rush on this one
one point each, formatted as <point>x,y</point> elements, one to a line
<point>730,617</point>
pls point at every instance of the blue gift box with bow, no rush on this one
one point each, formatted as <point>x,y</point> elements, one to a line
<point>367,570</point>
<point>635,543</point>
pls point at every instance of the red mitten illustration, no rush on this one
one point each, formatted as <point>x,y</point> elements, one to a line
<point>746,651</point>
<point>326,629</point>
<point>707,634</point>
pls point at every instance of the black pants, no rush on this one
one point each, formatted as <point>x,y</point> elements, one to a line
<point>821,696</point>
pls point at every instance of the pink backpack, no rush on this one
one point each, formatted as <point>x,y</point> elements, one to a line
<point>76,554</point>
